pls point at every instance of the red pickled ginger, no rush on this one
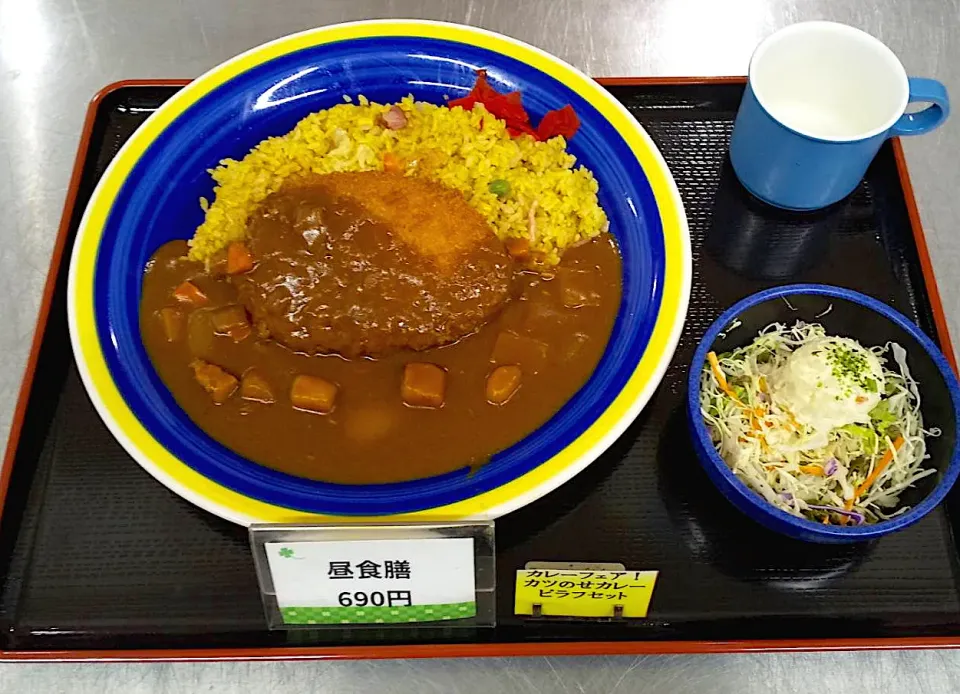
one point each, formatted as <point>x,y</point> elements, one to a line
<point>509,108</point>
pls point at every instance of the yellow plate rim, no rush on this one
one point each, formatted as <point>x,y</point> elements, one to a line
<point>547,476</point>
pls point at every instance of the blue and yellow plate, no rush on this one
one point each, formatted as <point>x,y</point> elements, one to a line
<point>149,195</point>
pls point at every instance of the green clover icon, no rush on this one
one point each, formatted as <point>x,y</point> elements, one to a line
<point>286,552</point>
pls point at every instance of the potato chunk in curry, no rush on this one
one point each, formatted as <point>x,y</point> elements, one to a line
<point>313,394</point>
<point>218,383</point>
<point>255,386</point>
<point>502,383</point>
<point>173,322</point>
<point>423,385</point>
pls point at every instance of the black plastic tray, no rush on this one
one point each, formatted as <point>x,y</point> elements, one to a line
<point>98,558</point>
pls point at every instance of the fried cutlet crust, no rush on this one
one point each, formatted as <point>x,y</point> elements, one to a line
<point>370,263</point>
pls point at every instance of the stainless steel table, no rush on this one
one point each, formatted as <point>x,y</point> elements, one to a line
<point>54,54</point>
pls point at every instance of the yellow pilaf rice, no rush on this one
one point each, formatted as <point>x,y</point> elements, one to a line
<point>549,201</point>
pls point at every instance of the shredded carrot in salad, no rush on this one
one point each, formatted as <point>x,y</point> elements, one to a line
<point>820,426</point>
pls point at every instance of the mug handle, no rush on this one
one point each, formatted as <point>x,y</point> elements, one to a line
<point>923,89</point>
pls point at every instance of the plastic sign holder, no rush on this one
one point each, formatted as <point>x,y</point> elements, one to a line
<point>382,576</point>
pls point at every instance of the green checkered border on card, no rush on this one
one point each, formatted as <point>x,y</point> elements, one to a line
<point>378,615</point>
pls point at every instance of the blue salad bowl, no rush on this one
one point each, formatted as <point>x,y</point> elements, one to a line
<point>844,313</point>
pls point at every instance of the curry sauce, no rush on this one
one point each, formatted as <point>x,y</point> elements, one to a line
<point>353,420</point>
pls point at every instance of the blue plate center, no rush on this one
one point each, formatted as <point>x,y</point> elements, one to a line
<point>159,203</point>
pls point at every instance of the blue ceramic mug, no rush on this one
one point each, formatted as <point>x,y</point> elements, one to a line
<point>820,100</point>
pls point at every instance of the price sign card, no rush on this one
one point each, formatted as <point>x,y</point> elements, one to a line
<point>320,576</point>
<point>591,594</point>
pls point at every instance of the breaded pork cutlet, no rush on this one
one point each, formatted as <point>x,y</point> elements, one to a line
<point>370,263</point>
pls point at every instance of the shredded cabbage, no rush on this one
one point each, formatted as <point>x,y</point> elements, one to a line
<point>805,419</point>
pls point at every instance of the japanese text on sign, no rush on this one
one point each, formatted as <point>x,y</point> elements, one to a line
<point>398,569</point>
<point>571,593</point>
<point>373,581</point>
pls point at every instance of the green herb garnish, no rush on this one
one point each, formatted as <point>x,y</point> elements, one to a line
<point>851,366</point>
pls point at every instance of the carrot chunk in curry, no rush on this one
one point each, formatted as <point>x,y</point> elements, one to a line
<point>239,259</point>
<point>173,323</point>
<point>392,163</point>
<point>188,293</point>
<point>518,248</point>
<point>255,386</point>
<point>502,383</point>
<point>424,385</point>
<point>313,394</point>
<point>217,382</point>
